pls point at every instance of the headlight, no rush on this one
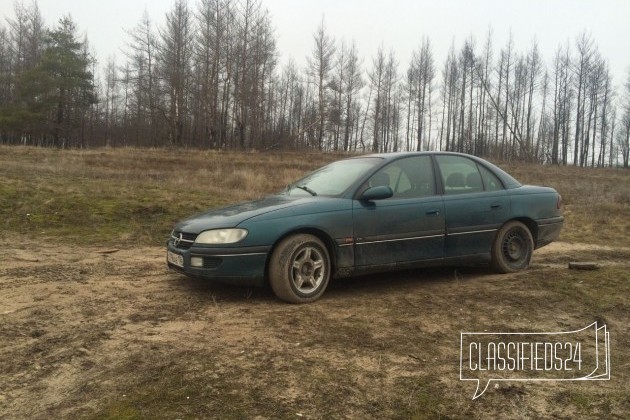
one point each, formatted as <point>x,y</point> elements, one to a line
<point>221,236</point>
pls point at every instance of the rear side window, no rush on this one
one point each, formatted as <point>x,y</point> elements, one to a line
<point>460,175</point>
<point>490,180</point>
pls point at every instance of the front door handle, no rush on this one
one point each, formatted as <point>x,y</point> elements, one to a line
<point>433,212</point>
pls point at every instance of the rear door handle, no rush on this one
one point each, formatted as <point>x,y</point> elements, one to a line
<point>433,212</point>
<point>496,206</point>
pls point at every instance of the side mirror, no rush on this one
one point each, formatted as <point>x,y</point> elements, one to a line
<point>377,193</point>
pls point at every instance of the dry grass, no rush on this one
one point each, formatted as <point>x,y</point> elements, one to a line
<point>596,200</point>
<point>116,336</point>
<point>113,195</point>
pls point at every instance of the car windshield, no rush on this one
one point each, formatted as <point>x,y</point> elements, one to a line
<point>333,179</point>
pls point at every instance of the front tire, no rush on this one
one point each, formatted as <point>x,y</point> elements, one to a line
<point>299,269</point>
<point>512,248</point>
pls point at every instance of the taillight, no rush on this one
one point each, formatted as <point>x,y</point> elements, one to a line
<point>559,202</point>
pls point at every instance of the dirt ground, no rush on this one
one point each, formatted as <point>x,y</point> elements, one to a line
<point>88,332</point>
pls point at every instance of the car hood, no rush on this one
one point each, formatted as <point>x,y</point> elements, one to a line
<point>233,215</point>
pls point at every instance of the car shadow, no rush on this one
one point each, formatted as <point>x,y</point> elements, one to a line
<point>386,282</point>
<point>342,288</point>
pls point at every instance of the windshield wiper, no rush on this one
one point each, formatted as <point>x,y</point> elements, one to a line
<point>307,189</point>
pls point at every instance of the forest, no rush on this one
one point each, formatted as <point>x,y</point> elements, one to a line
<point>207,76</point>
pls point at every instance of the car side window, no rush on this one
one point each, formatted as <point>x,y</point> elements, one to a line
<point>410,177</point>
<point>460,175</point>
<point>490,180</point>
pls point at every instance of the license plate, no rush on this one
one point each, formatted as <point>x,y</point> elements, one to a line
<point>175,259</point>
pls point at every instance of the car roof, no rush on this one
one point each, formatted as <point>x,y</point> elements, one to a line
<point>396,155</point>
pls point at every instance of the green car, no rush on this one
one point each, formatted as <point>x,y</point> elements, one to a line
<point>367,214</point>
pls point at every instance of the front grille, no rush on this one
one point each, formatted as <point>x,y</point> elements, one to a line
<point>183,240</point>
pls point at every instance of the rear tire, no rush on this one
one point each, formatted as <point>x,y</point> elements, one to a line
<point>512,248</point>
<point>299,269</point>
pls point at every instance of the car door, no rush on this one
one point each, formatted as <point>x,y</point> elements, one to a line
<point>407,227</point>
<point>475,205</point>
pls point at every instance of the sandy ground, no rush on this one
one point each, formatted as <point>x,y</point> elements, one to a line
<point>83,327</point>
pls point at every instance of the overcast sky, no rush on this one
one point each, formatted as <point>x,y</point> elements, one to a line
<point>394,24</point>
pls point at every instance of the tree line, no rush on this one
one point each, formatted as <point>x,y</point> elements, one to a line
<point>209,77</point>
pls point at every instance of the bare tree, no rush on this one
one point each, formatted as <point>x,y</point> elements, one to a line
<point>467,66</point>
<point>5,77</point>
<point>422,72</point>
<point>451,76</point>
<point>377,80</point>
<point>534,70</point>
<point>507,68</point>
<point>111,98</point>
<point>623,136</point>
<point>391,99</point>
<point>485,106</point>
<point>319,66</point>
<point>584,45</point>
<point>208,78</point>
<point>336,108</point>
<point>211,47</point>
<point>143,100</point>
<point>593,92</point>
<point>558,102</point>
<point>351,86</point>
<point>175,54</point>
<point>607,105</point>
<point>543,126</point>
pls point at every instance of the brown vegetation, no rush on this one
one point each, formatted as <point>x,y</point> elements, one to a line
<point>92,324</point>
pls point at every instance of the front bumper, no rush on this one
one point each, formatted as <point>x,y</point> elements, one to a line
<point>243,266</point>
<point>548,230</point>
